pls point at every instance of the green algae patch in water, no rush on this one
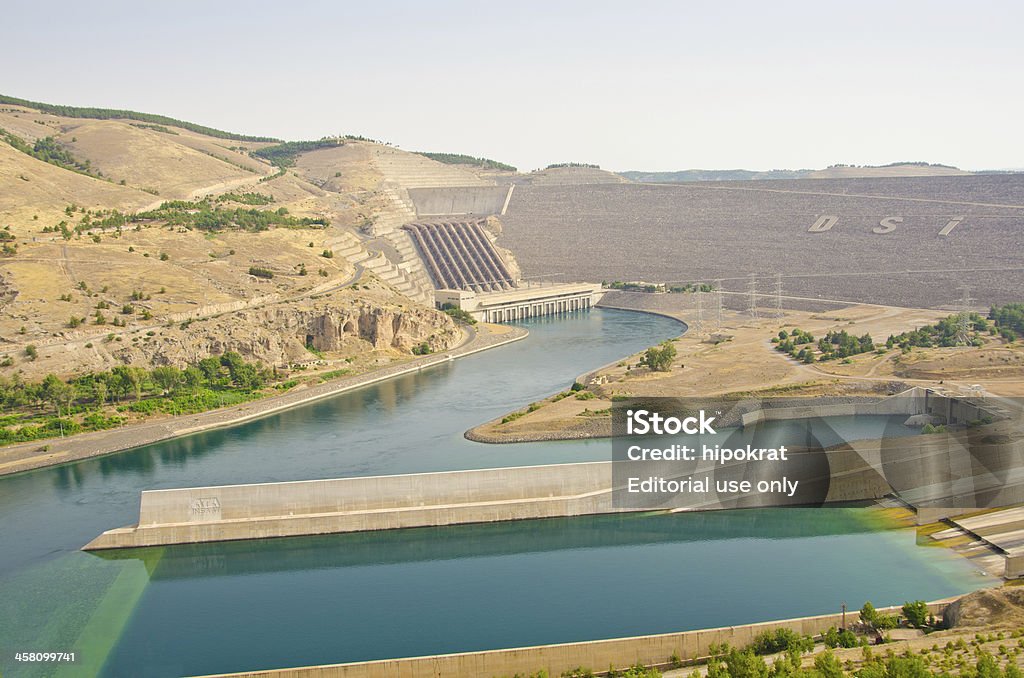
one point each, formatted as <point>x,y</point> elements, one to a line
<point>74,603</point>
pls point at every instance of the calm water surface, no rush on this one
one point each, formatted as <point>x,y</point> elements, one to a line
<point>236,606</point>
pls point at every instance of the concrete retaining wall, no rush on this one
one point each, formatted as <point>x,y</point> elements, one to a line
<point>258,511</point>
<point>360,504</point>
<point>597,655</point>
<point>910,402</point>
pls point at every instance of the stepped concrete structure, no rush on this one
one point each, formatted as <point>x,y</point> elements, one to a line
<point>411,170</point>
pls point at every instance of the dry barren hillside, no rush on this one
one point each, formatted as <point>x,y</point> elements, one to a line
<point>128,241</point>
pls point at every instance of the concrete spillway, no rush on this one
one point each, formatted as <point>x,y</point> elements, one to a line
<point>460,256</point>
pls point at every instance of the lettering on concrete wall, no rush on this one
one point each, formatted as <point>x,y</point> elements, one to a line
<point>887,225</point>
<point>206,508</point>
<point>824,223</point>
<point>953,223</point>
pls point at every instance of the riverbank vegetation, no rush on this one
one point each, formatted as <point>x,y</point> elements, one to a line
<point>102,400</point>
<point>852,652</point>
<point>458,314</point>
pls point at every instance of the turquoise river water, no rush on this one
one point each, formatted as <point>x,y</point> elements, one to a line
<point>200,609</point>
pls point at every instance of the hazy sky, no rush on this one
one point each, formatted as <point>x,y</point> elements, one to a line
<point>627,85</point>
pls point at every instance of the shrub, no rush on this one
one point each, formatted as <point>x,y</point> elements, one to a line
<point>261,272</point>
<point>780,640</point>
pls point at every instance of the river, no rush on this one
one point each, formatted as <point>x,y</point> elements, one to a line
<point>248,605</point>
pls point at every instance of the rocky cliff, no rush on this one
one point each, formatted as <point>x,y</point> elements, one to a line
<point>280,334</point>
<point>373,325</point>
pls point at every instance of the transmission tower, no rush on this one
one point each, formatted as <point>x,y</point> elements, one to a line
<point>778,295</point>
<point>752,296</point>
<point>963,324</point>
<point>717,288</point>
<point>698,297</point>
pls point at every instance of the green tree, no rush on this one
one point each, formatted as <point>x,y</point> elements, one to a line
<point>99,389</point>
<point>738,664</point>
<point>906,667</point>
<point>916,613</point>
<point>130,379</point>
<point>192,378</point>
<point>167,377</point>
<point>659,358</point>
<point>58,393</point>
<point>827,664</point>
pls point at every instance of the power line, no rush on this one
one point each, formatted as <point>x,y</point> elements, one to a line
<point>752,296</point>
<point>963,324</point>
<point>717,287</point>
<point>778,295</point>
<point>698,296</point>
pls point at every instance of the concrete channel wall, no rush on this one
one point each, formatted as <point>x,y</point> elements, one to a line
<point>910,402</point>
<point>948,408</point>
<point>597,655</point>
<point>257,511</point>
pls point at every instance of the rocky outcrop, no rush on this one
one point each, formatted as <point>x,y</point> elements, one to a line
<point>987,608</point>
<point>280,334</point>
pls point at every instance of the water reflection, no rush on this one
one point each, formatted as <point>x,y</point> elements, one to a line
<point>475,541</point>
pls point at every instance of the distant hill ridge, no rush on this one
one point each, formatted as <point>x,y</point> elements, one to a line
<point>111,113</point>
<point>894,169</point>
